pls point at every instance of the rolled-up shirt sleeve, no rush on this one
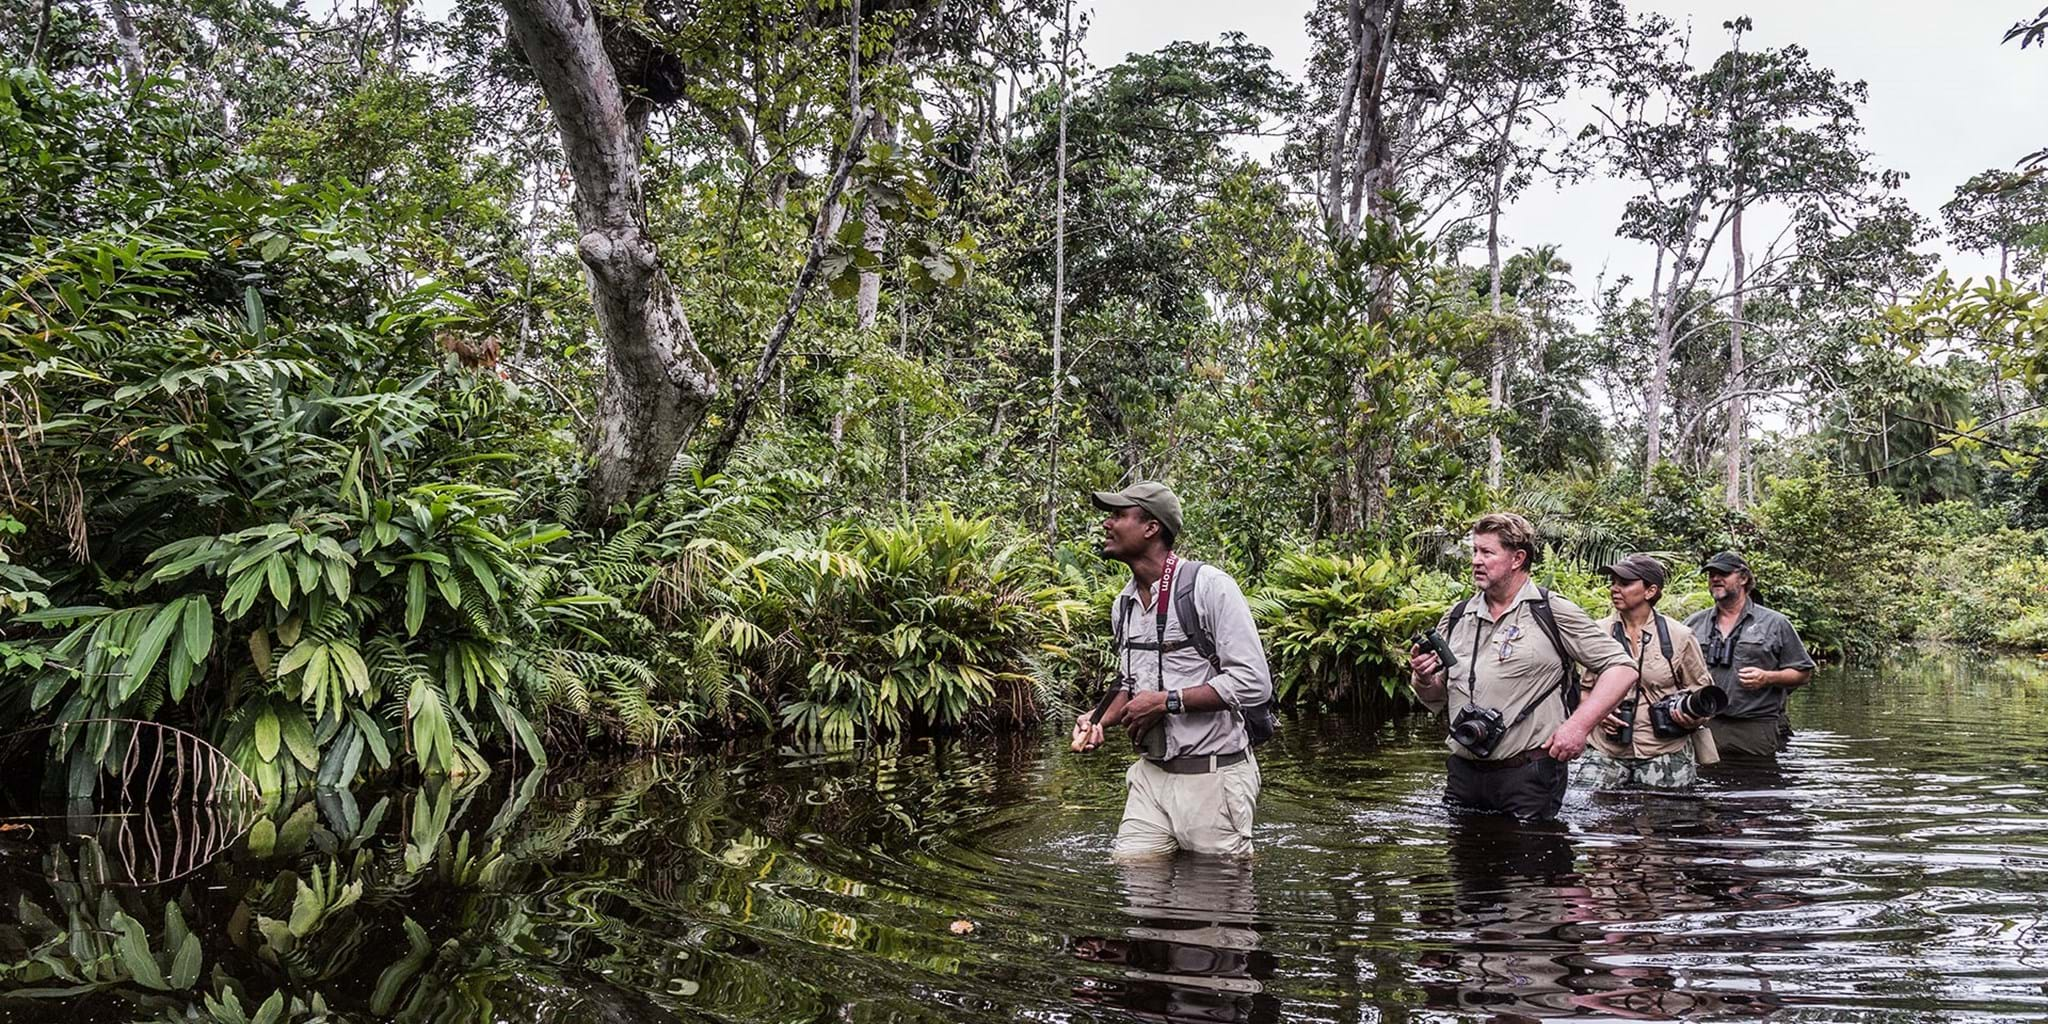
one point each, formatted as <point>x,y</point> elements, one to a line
<point>1594,650</point>
<point>1243,678</point>
<point>1791,651</point>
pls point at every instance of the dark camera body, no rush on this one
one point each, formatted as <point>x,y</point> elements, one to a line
<point>1478,730</point>
<point>1703,703</point>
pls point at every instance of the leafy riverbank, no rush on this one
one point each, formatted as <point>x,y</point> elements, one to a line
<point>312,408</point>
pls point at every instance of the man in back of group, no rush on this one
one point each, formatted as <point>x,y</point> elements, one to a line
<point>1754,655</point>
<point>1183,692</point>
<point>1515,645</point>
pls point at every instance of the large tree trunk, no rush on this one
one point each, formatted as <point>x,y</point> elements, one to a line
<point>1660,375</point>
<point>1059,293</point>
<point>657,382</point>
<point>1738,421</point>
<point>1340,126</point>
<point>132,64</point>
<point>1499,392</point>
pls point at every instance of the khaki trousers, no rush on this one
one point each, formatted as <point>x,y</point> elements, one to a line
<point>1165,813</point>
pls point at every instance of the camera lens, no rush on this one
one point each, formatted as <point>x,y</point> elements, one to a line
<point>1706,702</point>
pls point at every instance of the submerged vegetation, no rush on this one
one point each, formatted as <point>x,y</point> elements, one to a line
<point>322,434</point>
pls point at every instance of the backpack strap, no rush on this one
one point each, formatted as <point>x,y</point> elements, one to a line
<point>1548,620</point>
<point>1189,616</point>
<point>1663,636</point>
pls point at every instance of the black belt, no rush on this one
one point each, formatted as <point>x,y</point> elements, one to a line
<point>1198,764</point>
<point>1530,756</point>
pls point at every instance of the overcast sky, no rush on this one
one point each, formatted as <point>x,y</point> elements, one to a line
<point>1947,98</point>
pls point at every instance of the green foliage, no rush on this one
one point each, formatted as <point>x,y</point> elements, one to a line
<point>1337,627</point>
<point>1836,556</point>
<point>932,622</point>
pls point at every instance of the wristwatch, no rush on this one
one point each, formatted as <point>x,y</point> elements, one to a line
<point>1173,704</point>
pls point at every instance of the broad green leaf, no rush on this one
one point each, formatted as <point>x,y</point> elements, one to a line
<point>151,646</point>
<point>349,663</point>
<point>133,946</point>
<point>279,575</point>
<point>185,967</point>
<point>269,735</point>
<point>298,737</point>
<point>415,598</point>
<point>307,907</point>
<point>198,631</point>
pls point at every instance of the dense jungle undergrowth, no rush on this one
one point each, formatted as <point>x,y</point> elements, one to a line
<point>302,387</point>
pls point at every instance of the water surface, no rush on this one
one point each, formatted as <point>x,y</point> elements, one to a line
<point>1891,867</point>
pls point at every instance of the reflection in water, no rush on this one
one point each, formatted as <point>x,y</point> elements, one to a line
<point>1192,952</point>
<point>1889,866</point>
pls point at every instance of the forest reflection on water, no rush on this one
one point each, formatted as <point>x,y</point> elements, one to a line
<point>1892,867</point>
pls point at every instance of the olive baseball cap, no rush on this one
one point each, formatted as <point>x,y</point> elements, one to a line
<point>1150,495</point>
<point>1726,562</point>
<point>1638,567</point>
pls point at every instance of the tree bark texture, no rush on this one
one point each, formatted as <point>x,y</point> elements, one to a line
<point>1059,294</point>
<point>1358,153</point>
<point>657,382</point>
<point>1738,368</point>
<point>1501,356</point>
<point>132,63</point>
<point>1660,378</point>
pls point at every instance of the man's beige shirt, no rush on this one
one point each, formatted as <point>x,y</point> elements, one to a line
<point>1505,662</point>
<point>1687,670</point>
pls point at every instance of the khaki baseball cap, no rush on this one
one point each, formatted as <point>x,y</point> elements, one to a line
<point>1150,495</point>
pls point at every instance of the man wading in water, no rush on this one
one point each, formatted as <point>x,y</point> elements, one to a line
<point>1520,719</point>
<point>1192,673</point>
<point>1754,654</point>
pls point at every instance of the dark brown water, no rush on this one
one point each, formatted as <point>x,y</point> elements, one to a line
<point>1892,867</point>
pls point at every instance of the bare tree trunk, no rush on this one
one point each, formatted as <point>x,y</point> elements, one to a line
<point>657,382</point>
<point>1738,421</point>
<point>1340,126</point>
<point>902,407</point>
<point>1660,374</point>
<point>130,41</point>
<point>1499,392</point>
<point>1059,293</point>
<point>867,301</point>
<point>35,50</point>
<point>1375,129</point>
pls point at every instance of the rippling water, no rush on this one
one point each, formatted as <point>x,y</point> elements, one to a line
<point>1891,867</point>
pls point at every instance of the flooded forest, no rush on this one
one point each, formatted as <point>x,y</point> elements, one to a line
<point>594,510</point>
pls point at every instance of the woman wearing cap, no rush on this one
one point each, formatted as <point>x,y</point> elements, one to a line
<point>1626,750</point>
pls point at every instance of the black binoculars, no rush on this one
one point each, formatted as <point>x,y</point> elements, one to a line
<point>1429,641</point>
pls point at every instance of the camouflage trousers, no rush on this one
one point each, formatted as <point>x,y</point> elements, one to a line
<point>1595,770</point>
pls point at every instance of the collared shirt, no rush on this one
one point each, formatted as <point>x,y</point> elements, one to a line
<point>1242,679</point>
<point>1761,639</point>
<point>1686,670</point>
<point>1508,663</point>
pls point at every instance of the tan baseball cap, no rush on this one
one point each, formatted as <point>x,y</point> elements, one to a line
<point>1150,495</point>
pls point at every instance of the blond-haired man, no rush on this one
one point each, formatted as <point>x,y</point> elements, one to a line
<point>1518,717</point>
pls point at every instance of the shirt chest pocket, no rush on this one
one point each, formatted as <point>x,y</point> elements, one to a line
<point>1755,652</point>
